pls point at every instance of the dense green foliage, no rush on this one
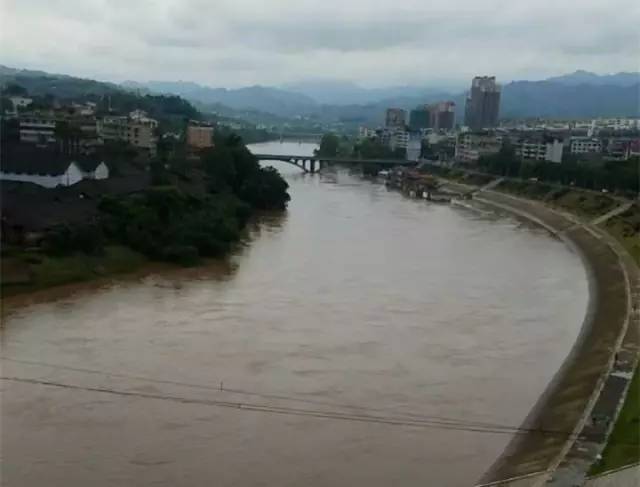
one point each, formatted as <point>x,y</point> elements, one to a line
<point>372,149</point>
<point>65,240</point>
<point>193,208</point>
<point>621,176</point>
<point>328,145</point>
<point>166,224</point>
<point>249,135</point>
<point>171,111</point>
<point>188,208</point>
<point>232,168</point>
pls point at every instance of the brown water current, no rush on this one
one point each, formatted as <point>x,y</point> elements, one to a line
<point>361,339</point>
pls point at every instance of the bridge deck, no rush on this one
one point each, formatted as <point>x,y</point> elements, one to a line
<point>294,157</point>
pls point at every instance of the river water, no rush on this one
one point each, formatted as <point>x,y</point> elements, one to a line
<point>362,339</point>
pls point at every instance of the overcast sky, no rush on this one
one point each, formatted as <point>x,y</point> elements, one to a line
<point>373,42</point>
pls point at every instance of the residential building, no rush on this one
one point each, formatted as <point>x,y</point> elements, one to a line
<point>367,133</point>
<point>483,103</point>
<point>539,148</point>
<point>618,148</point>
<point>36,128</point>
<point>199,135</point>
<point>585,145</point>
<point>137,129</point>
<point>20,102</point>
<point>618,124</point>
<point>398,139</point>
<point>470,146</point>
<point>395,118</point>
<point>113,127</point>
<point>84,109</point>
<point>238,126</point>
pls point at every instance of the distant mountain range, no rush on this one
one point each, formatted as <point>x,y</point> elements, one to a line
<point>262,98</point>
<point>581,95</point>
<point>334,92</point>
<point>581,77</point>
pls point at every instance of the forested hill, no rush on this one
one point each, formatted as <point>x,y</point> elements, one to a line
<point>578,95</point>
<point>47,87</point>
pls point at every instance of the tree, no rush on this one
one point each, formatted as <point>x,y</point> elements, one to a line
<point>372,149</point>
<point>14,89</point>
<point>9,132</point>
<point>328,146</point>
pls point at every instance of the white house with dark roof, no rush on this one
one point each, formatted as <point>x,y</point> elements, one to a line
<point>93,169</point>
<point>47,169</point>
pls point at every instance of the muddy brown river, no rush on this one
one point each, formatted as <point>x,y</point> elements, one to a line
<point>361,339</point>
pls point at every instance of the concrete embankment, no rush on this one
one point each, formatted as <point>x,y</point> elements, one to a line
<point>559,415</point>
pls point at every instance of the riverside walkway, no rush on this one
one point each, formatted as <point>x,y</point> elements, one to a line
<point>587,383</point>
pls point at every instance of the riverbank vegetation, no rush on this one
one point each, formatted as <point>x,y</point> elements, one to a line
<point>31,269</point>
<point>332,145</point>
<point>623,447</point>
<point>190,208</point>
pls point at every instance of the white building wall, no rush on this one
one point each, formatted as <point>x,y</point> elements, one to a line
<point>414,147</point>
<point>20,101</point>
<point>101,172</point>
<point>399,139</point>
<point>71,176</point>
<point>554,151</point>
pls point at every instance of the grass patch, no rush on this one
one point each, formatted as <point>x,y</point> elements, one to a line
<point>581,203</point>
<point>626,228</point>
<point>527,189</point>
<point>623,447</point>
<point>31,271</point>
<point>478,179</point>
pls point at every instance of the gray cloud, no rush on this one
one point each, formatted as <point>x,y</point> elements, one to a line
<point>240,42</point>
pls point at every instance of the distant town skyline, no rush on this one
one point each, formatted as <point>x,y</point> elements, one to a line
<point>240,43</point>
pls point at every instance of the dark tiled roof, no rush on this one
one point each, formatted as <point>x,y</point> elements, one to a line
<point>33,160</point>
<point>36,208</point>
<point>27,159</point>
<point>87,164</point>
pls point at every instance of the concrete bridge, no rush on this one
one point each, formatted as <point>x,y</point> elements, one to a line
<point>313,164</point>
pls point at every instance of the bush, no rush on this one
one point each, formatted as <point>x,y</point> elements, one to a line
<point>65,239</point>
<point>186,255</point>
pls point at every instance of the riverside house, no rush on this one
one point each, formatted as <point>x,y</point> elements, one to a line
<point>49,169</point>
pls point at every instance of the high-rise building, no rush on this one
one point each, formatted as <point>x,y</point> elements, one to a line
<point>419,118</point>
<point>438,116</point>
<point>395,117</point>
<point>483,103</point>
<point>442,115</point>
